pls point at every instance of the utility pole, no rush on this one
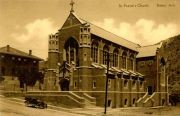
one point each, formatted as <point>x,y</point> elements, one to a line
<point>105,106</point>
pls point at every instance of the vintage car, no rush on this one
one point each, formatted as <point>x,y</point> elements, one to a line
<point>36,103</point>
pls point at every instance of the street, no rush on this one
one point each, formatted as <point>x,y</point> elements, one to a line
<point>11,108</point>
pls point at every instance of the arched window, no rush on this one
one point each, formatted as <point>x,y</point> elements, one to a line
<point>71,47</point>
<point>115,58</point>
<point>124,57</point>
<point>134,84</point>
<point>134,101</point>
<point>72,53</point>
<point>125,102</point>
<point>141,84</point>
<point>125,83</point>
<point>131,62</point>
<point>105,54</point>
<point>94,52</point>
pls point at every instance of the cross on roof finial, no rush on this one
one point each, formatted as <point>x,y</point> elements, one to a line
<point>72,3</point>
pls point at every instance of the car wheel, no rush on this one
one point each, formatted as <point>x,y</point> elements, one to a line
<point>26,103</point>
<point>41,106</point>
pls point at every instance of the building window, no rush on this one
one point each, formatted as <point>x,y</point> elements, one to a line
<point>125,83</point>
<point>141,84</point>
<point>109,102</point>
<point>13,58</point>
<point>131,62</point>
<point>19,59</point>
<point>142,63</point>
<point>81,29</point>
<point>134,84</point>
<point>94,52</point>
<point>75,84</point>
<point>105,54</point>
<point>115,58</point>
<point>94,84</point>
<point>163,102</point>
<point>124,56</point>
<point>72,56</point>
<point>81,39</point>
<point>85,39</point>
<point>134,100</point>
<point>88,40</point>
<point>3,70</point>
<point>71,47</point>
<point>85,29</point>
<point>125,102</point>
<point>109,83</point>
<point>150,62</point>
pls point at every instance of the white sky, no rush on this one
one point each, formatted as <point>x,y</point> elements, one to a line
<point>26,24</point>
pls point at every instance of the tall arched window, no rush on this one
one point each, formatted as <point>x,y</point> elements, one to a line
<point>124,57</point>
<point>71,47</point>
<point>115,58</point>
<point>105,54</point>
<point>94,52</point>
<point>72,54</point>
<point>131,62</point>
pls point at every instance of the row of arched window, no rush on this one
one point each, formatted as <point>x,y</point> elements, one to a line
<point>100,56</point>
<point>114,57</point>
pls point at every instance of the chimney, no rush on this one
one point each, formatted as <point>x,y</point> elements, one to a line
<point>30,52</point>
<point>8,48</point>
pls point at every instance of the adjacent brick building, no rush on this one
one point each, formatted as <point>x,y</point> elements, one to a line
<point>14,64</point>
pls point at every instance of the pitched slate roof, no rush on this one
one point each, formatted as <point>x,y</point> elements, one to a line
<point>100,32</point>
<point>150,50</point>
<point>12,51</point>
<point>112,37</point>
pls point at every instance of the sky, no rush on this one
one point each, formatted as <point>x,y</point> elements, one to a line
<point>26,24</point>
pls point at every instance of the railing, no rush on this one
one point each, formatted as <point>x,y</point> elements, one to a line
<point>89,98</point>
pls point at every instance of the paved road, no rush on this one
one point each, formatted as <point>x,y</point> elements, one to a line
<point>11,108</point>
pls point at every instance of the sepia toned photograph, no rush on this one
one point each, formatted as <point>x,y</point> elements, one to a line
<point>89,57</point>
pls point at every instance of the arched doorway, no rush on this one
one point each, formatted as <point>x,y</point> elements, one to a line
<point>64,84</point>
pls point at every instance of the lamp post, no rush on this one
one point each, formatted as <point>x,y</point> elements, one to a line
<point>106,91</point>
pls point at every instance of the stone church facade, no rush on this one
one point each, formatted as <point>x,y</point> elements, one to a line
<point>77,62</point>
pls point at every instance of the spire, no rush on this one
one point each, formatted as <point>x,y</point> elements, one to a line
<point>72,3</point>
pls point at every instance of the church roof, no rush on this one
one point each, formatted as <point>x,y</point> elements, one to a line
<point>100,32</point>
<point>12,51</point>
<point>147,51</point>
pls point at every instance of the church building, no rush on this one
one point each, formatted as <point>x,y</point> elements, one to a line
<point>78,57</point>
